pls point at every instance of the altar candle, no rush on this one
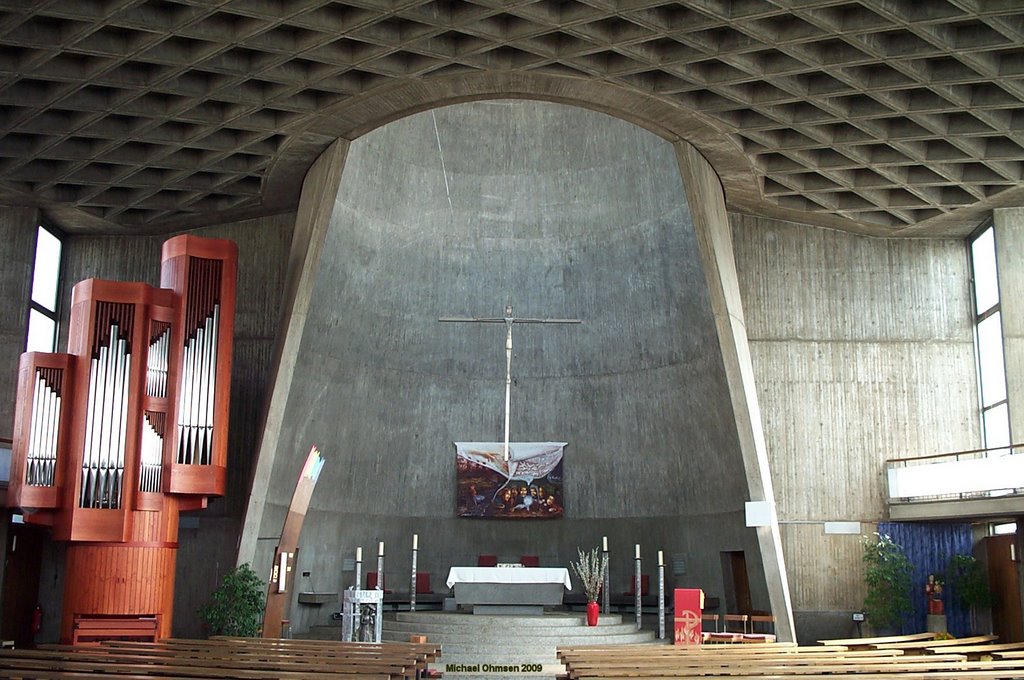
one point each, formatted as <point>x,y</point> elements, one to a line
<point>359,554</point>
<point>604,543</point>
<point>638,551</point>
<point>661,558</point>
<point>380,549</point>
<point>415,541</point>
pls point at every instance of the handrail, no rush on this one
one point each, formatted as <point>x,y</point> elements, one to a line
<point>954,453</point>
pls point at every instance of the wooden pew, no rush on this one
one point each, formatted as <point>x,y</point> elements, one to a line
<point>801,663</point>
<point>975,652</point>
<point>870,641</point>
<point>238,657</point>
<point>30,663</point>
<point>921,645</point>
<point>90,630</point>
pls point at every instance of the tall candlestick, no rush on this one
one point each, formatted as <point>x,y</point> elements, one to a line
<point>415,541</point>
<point>380,549</point>
<point>604,543</point>
<point>637,551</point>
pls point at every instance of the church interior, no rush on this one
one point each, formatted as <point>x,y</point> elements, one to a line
<point>775,225</point>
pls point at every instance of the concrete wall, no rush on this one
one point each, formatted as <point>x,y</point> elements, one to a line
<point>563,213</point>
<point>1009,236</point>
<point>18,226</point>
<point>863,351</point>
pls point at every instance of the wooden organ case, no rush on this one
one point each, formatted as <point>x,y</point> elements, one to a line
<point>128,428</point>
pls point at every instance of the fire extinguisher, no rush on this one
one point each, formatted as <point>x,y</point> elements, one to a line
<point>37,619</point>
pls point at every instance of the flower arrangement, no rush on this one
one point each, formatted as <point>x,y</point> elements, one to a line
<point>590,569</point>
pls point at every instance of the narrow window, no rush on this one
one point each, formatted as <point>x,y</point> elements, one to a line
<point>42,312</point>
<point>988,333</point>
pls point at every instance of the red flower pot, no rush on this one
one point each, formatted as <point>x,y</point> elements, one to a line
<point>592,610</point>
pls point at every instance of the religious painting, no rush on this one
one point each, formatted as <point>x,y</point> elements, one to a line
<point>527,486</point>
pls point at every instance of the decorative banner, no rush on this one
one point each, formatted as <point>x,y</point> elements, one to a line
<point>527,486</point>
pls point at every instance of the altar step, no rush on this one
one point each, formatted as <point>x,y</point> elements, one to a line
<point>475,647</point>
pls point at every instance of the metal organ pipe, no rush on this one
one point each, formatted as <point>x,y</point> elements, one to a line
<point>107,408</point>
<point>199,365</point>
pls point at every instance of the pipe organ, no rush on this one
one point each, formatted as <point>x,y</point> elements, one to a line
<point>128,428</point>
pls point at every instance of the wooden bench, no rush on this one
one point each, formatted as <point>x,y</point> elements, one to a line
<point>801,663</point>
<point>921,645</point>
<point>230,658</point>
<point>93,629</point>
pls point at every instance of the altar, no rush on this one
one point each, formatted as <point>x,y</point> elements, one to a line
<point>502,590</point>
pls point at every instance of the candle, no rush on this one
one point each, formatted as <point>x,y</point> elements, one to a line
<point>638,551</point>
<point>380,549</point>
<point>661,558</point>
<point>415,541</point>
<point>604,543</point>
<point>359,554</point>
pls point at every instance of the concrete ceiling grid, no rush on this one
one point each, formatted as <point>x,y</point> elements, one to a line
<point>884,117</point>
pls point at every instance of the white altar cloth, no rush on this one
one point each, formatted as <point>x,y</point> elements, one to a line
<point>506,575</point>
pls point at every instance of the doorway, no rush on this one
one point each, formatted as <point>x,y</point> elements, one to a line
<point>22,564</point>
<point>1002,578</point>
<point>735,581</point>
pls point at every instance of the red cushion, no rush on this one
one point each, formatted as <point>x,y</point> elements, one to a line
<point>487,560</point>
<point>645,585</point>
<point>529,560</point>
<point>423,582</point>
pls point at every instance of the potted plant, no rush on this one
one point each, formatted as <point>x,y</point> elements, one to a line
<point>236,606</point>
<point>969,584</point>
<point>590,569</point>
<point>887,576</point>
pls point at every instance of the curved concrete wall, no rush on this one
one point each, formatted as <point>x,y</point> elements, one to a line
<point>563,213</point>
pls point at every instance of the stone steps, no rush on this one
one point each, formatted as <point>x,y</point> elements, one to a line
<point>477,647</point>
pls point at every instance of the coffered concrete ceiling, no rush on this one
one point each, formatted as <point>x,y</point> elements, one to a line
<point>887,117</point>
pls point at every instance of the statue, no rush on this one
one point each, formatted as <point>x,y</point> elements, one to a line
<point>933,590</point>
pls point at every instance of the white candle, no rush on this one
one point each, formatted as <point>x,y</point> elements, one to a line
<point>415,541</point>
<point>380,549</point>
<point>359,554</point>
<point>661,558</point>
<point>638,551</point>
<point>604,543</point>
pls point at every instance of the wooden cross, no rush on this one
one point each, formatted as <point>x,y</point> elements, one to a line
<point>509,319</point>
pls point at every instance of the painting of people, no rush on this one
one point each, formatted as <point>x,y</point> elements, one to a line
<point>526,486</point>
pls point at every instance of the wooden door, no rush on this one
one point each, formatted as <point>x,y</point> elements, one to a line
<point>1002,578</point>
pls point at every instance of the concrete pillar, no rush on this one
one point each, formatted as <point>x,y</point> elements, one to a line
<point>706,199</point>
<point>1009,237</point>
<point>316,203</point>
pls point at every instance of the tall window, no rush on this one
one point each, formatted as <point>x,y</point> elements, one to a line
<point>995,419</point>
<point>42,312</point>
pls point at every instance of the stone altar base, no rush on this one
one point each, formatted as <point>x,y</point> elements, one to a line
<point>937,623</point>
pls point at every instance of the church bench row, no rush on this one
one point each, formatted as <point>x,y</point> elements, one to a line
<point>807,664</point>
<point>884,639</point>
<point>230,657</point>
<point>921,645</point>
<point>54,664</point>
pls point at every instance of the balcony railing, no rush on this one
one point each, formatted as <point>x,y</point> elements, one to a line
<point>978,473</point>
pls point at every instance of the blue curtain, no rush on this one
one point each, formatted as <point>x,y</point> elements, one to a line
<point>929,547</point>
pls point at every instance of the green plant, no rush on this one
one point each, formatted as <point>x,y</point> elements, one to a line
<point>887,575</point>
<point>969,583</point>
<point>236,606</point>
<point>590,569</point>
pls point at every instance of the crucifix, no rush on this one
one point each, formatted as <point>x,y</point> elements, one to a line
<point>509,319</point>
